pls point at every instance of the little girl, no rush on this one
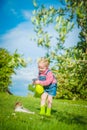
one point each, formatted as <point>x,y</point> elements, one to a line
<point>48,81</point>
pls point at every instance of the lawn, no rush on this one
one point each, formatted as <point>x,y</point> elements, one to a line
<point>66,114</point>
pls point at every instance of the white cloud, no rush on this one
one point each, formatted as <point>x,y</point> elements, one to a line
<point>27,14</point>
<point>26,74</point>
<point>20,38</point>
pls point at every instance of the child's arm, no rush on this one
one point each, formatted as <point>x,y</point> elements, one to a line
<point>48,81</point>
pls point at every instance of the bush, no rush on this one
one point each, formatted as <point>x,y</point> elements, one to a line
<point>8,63</point>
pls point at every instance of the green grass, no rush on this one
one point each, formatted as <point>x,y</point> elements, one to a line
<point>66,114</point>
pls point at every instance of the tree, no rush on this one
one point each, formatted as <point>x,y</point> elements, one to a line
<point>69,65</point>
<point>8,64</point>
<point>71,74</point>
<point>78,10</point>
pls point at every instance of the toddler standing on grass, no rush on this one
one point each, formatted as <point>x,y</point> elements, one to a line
<point>48,81</point>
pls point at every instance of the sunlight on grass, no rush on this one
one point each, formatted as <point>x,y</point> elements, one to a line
<point>66,114</point>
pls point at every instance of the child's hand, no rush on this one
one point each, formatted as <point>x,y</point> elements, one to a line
<point>36,82</point>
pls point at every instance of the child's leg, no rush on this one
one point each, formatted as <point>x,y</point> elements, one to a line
<point>43,101</point>
<point>43,98</point>
<point>49,105</point>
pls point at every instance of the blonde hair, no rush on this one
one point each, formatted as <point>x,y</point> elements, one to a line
<point>45,61</point>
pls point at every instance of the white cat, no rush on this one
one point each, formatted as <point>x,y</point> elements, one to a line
<point>19,108</point>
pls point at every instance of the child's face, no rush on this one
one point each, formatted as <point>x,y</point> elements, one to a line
<point>42,67</point>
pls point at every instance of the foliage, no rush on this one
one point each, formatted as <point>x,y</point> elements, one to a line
<point>43,18</point>
<point>69,65</point>
<point>31,87</point>
<point>66,114</point>
<point>79,10</point>
<point>8,64</point>
<point>70,69</point>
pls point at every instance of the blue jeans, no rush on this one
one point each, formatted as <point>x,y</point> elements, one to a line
<point>51,90</point>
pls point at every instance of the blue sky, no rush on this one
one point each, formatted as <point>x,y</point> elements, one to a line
<point>16,31</point>
<point>14,12</point>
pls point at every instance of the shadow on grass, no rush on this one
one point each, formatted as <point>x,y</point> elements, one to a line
<point>69,118</point>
